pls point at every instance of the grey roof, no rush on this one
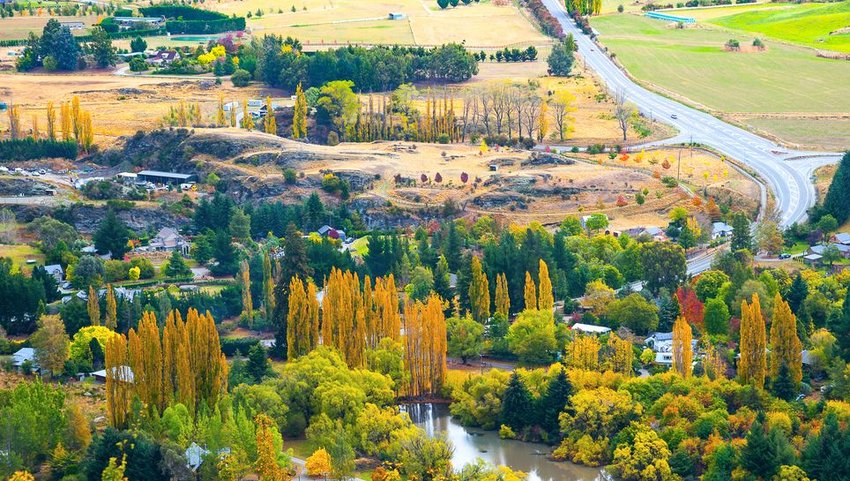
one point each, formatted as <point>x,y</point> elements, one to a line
<point>842,238</point>
<point>718,227</point>
<point>661,336</point>
<point>124,372</point>
<point>54,269</point>
<point>22,355</point>
<point>171,175</point>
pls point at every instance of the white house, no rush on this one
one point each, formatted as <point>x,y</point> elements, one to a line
<point>168,239</point>
<point>56,271</point>
<point>662,344</point>
<point>842,238</point>
<point>720,229</point>
<point>120,373</point>
<point>24,355</point>
<point>590,328</point>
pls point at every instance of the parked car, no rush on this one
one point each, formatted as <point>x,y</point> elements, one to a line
<point>785,255</point>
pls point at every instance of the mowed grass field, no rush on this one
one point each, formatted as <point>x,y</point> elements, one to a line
<point>810,24</point>
<point>18,27</point>
<point>692,63</point>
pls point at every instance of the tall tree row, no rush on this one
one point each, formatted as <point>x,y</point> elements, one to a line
<point>752,366</point>
<point>425,339</point>
<point>183,364</point>
<point>785,346</point>
<point>683,353</point>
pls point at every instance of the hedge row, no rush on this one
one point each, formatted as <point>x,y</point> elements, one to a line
<point>551,26</point>
<point>205,26</point>
<point>153,32</point>
<point>230,345</point>
<point>30,149</point>
<point>183,12</point>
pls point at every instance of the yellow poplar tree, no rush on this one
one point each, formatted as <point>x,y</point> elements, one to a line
<point>111,320</point>
<point>65,120</point>
<point>785,346</point>
<point>479,292</point>
<point>752,365</point>
<point>546,300</point>
<point>298,323</point>
<point>247,120</point>
<point>14,122</point>
<point>683,354</point>
<point>86,131</point>
<point>118,383</point>
<point>425,342</point>
<point>583,352</point>
<point>268,286</point>
<point>93,307</point>
<point>35,132</point>
<point>313,314</point>
<point>51,121</point>
<point>622,355</point>
<point>220,118</point>
<point>503,298</point>
<point>530,292</point>
<point>270,123</point>
<point>233,116</point>
<point>76,119</point>
<point>146,359</point>
<point>299,119</point>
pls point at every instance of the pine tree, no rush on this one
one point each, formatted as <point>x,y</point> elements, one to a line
<point>503,298</point>
<point>553,402</point>
<point>682,350</point>
<point>765,452</point>
<point>530,293</point>
<point>797,293</point>
<point>442,280</point>
<point>247,301</point>
<point>299,118</point>
<point>270,123</point>
<point>93,307</point>
<point>517,405</point>
<point>479,292</point>
<point>785,347</point>
<point>752,364</point>
<point>783,386</point>
<point>546,300</point>
<point>296,265</point>
<point>111,309</point>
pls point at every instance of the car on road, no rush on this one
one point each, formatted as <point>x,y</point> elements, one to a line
<point>674,116</point>
<point>785,255</point>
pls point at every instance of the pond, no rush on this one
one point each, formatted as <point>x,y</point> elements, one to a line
<point>470,444</point>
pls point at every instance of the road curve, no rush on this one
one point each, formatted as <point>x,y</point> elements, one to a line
<point>786,172</point>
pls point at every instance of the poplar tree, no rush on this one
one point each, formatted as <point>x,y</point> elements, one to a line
<point>298,322</point>
<point>220,118</point>
<point>35,132</point>
<point>785,346</point>
<point>268,286</point>
<point>503,298</point>
<point>14,122</point>
<point>296,265</point>
<point>270,123</point>
<point>299,118</point>
<point>425,343</point>
<point>111,309</point>
<point>51,121</point>
<point>65,120</point>
<point>76,118</point>
<point>622,355</point>
<point>753,363</point>
<point>247,121</point>
<point>479,292</point>
<point>683,354</point>
<point>267,466</point>
<point>583,353</point>
<point>233,116</point>
<point>118,381</point>
<point>93,307</point>
<point>546,300</point>
<point>247,301</point>
<point>530,293</point>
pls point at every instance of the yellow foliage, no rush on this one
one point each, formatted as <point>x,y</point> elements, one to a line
<point>318,464</point>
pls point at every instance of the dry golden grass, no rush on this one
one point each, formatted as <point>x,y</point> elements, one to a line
<point>18,27</point>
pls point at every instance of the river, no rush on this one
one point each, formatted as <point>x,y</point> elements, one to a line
<point>470,444</point>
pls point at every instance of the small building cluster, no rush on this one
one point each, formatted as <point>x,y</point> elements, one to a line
<point>839,242</point>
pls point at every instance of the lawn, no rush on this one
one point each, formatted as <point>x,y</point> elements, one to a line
<point>807,24</point>
<point>18,27</point>
<point>693,63</point>
<point>831,134</point>
<point>20,253</point>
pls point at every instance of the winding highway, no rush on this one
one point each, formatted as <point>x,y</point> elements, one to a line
<point>788,173</point>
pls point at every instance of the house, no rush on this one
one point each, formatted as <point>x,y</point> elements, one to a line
<point>662,344</point>
<point>195,455</point>
<point>655,233</point>
<point>163,58</point>
<point>720,229</point>
<point>819,249</point>
<point>56,271</point>
<point>331,233</point>
<point>120,373</point>
<point>127,177</point>
<point>842,238</point>
<point>231,106</point>
<point>91,250</point>
<point>812,259</point>
<point>168,239</point>
<point>24,355</point>
<point>129,23</point>
<point>72,25</point>
<point>590,328</point>
<point>122,292</point>
<point>159,177</point>
<point>396,16</point>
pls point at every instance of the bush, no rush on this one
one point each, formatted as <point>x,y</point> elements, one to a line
<point>30,149</point>
<point>186,19</point>
<point>333,138</point>
<point>240,78</point>
<point>138,64</point>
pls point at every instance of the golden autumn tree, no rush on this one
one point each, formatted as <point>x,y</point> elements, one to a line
<point>14,122</point>
<point>266,465</point>
<point>86,139</point>
<point>51,121</point>
<point>503,298</point>
<point>785,346</point>
<point>479,292</point>
<point>76,118</point>
<point>65,120</point>
<point>21,476</point>
<point>119,387</point>
<point>622,355</point>
<point>111,320</point>
<point>543,122</point>
<point>583,353</point>
<point>388,321</point>
<point>93,307</point>
<point>36,133</point>
<point>530,293</point>
<point>298,320</point>
<point>318,464</point>
<point>145,351</point>
<point>247,300</point>
<point>247,121</point>
<point>545,297</point>
<point>220,118</point>
<point>683,353</point>
<point>425,342</point>
<point>233,115</point>
<point>752,365</point>
<point>299,118</point>
<point>270,123</point>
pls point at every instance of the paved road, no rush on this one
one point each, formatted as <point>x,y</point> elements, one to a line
<point>787,173</point>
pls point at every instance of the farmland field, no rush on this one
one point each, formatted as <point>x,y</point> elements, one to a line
<point>692,63</point>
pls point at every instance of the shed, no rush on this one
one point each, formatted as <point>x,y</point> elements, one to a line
<point>159,177</point>
<point>22,355</point>
<point>396,16</point>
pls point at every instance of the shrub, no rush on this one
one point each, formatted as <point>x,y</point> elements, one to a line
<point>333,138</point>
<point>240,78</point>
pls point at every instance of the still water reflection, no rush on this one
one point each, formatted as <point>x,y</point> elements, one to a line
<point>470,444</point>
